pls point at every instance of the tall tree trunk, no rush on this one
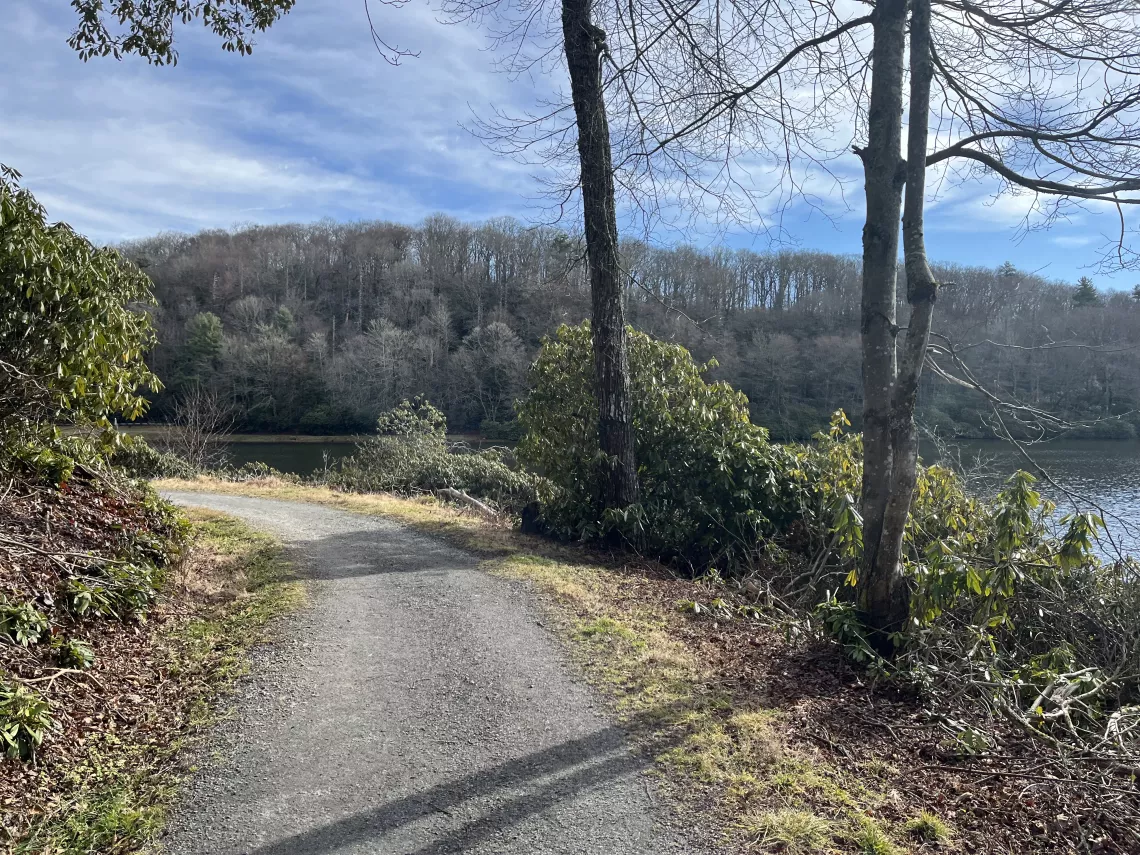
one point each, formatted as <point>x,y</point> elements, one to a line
<point>882,590</point>
<point>585,44</point>
<point>891,457</point>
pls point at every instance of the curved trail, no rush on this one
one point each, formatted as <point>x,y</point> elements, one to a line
<point>416,707</point>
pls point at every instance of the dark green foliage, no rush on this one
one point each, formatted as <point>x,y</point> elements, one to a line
<point>500,431</point>
<point>203,348</point>
<point>120,591</point>
<point>48,455</point>
<point>843,623</point>
<point>22,623</point>
<point>283,321</point>
<point>712,485</point>
<point>72,329</point>
<point>124,588</point>
<point>147,29</point>
<point>139,459</point>
<point>1085,294</point>
<point>25,719</point>
<point>413,419</point>
<point>1007,598</point>
<point>409,455</point>
<point>74,653</point>
<point>256,470</point>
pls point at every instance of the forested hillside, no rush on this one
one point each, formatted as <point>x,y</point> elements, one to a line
<point>321,327</point>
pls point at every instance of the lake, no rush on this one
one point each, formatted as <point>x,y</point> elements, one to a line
<point>306,455</point>
<point>1107,473</point>
<point>300,458</point>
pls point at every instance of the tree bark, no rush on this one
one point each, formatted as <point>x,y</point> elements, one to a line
<point>882,591</point>
<point>585,45</point>
<point>891,456</point>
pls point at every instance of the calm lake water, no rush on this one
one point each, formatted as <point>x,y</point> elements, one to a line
<point>1107,473</point>
<point>305,457</point>
<point>300,458</point>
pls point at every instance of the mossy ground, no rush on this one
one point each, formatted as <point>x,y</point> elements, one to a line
<point>738,766</point>
<point>219,601</point>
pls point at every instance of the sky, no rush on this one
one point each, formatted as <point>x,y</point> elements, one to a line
<point>315,124</point>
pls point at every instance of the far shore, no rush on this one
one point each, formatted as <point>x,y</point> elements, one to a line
<point>153,431</point>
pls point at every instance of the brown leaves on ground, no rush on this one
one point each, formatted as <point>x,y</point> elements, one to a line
<point>129,696</point>
<point>1016,796</point>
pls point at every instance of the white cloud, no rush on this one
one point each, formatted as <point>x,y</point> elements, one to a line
<point>314,124</point>
<point>1075,241</point>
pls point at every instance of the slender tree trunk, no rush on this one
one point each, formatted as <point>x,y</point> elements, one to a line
<point>891,461</point>
<point>921,290</point>
<point>882,590</point>
<point>585,44</point>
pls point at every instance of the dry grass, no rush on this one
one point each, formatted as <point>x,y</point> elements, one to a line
<point>794,832</point>
<point>426,514</point>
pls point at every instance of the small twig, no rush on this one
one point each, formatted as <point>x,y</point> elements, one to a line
<point>470,501</point>
<point>58,556</point>
<point>48,678</point>
<point>1003,773</point>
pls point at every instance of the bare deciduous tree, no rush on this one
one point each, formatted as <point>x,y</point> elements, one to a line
<point>742,107</point>
<point>585,46</point>
<point>527,32</point>
<point>199,424</point>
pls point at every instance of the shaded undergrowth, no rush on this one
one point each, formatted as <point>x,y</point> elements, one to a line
<point>103,782</point>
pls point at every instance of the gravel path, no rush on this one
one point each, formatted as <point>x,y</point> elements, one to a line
<point>417,707</point>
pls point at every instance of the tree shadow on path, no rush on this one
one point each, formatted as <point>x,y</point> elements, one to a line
<point>591,761</point>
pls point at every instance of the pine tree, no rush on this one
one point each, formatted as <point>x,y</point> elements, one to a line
<point>203,347</point>
<point>1086,293</point>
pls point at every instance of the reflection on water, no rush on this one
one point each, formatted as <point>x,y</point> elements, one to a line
<point>307,457</point>
<point>1105,474</point>
<point>300,458</point>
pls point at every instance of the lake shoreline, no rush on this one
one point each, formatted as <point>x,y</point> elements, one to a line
<point>150,432</point>
<point>1105,472</point>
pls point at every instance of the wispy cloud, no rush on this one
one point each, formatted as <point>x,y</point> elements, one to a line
<point>315,124</point>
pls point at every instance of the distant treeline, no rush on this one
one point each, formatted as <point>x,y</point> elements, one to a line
<point>319,328</point>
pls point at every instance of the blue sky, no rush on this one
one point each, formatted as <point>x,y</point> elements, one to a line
<point>315,124</point>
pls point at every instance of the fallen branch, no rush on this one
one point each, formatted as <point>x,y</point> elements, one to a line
<point>1007,773</point>
<point>48,678</point>
<point>461,497</point>
<point>58,557</point>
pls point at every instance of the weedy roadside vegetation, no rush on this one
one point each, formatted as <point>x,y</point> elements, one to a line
<point>97,713</point>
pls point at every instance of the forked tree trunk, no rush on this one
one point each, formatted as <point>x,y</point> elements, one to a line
<point>882,590</point>
<point>585,44</point>
<point>890,388</point>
